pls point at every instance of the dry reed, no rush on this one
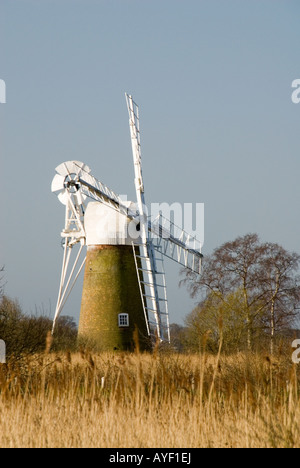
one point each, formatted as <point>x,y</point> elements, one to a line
<point>143,400</point>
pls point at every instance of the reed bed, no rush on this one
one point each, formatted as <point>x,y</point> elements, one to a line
<point>149,400</point>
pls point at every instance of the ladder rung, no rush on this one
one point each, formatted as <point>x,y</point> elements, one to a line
<point>150,271</point>
<point>153,297</point>
<point>152,284</point>
<point>162,327</point>
<point>149,309</point>
<point>147,295</point>
<point>154,310</point>
<point>148,258</point>
<point>144,270</point>
<point>148,284</point>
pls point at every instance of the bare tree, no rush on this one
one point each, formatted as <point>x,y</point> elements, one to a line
<point>263,273</point>
<point>234,266</point>
<point>279,283</point>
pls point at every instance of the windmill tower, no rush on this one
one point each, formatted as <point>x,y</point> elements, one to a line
<point>124,289</point>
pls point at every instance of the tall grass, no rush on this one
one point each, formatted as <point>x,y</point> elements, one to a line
<point>143,400</point>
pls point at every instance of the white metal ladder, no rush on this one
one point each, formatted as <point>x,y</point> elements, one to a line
<point>153,292</point>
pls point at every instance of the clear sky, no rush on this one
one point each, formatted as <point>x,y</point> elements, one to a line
<point>213,82</point>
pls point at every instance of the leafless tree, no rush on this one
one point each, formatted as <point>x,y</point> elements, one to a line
<point>279,283</point>
<point>263,273</point>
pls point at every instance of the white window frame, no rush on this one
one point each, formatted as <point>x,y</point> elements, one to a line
<point>123,320</point>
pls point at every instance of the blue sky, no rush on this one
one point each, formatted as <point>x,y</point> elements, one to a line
<point>213,83</point>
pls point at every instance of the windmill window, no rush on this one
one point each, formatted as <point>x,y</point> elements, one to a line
<point>123,320</point>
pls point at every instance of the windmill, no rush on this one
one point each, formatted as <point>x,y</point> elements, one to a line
<point>123,250</point>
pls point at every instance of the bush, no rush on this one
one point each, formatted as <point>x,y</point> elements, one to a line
<point>28,334</point>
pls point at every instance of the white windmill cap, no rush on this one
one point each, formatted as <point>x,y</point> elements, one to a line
<point>106,226</point>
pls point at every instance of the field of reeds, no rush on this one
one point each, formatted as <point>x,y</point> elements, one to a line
<point>149,400</point>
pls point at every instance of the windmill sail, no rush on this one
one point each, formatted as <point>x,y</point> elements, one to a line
<point>147,275</point>
<point>175,243</point>
<point>158,238</point>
